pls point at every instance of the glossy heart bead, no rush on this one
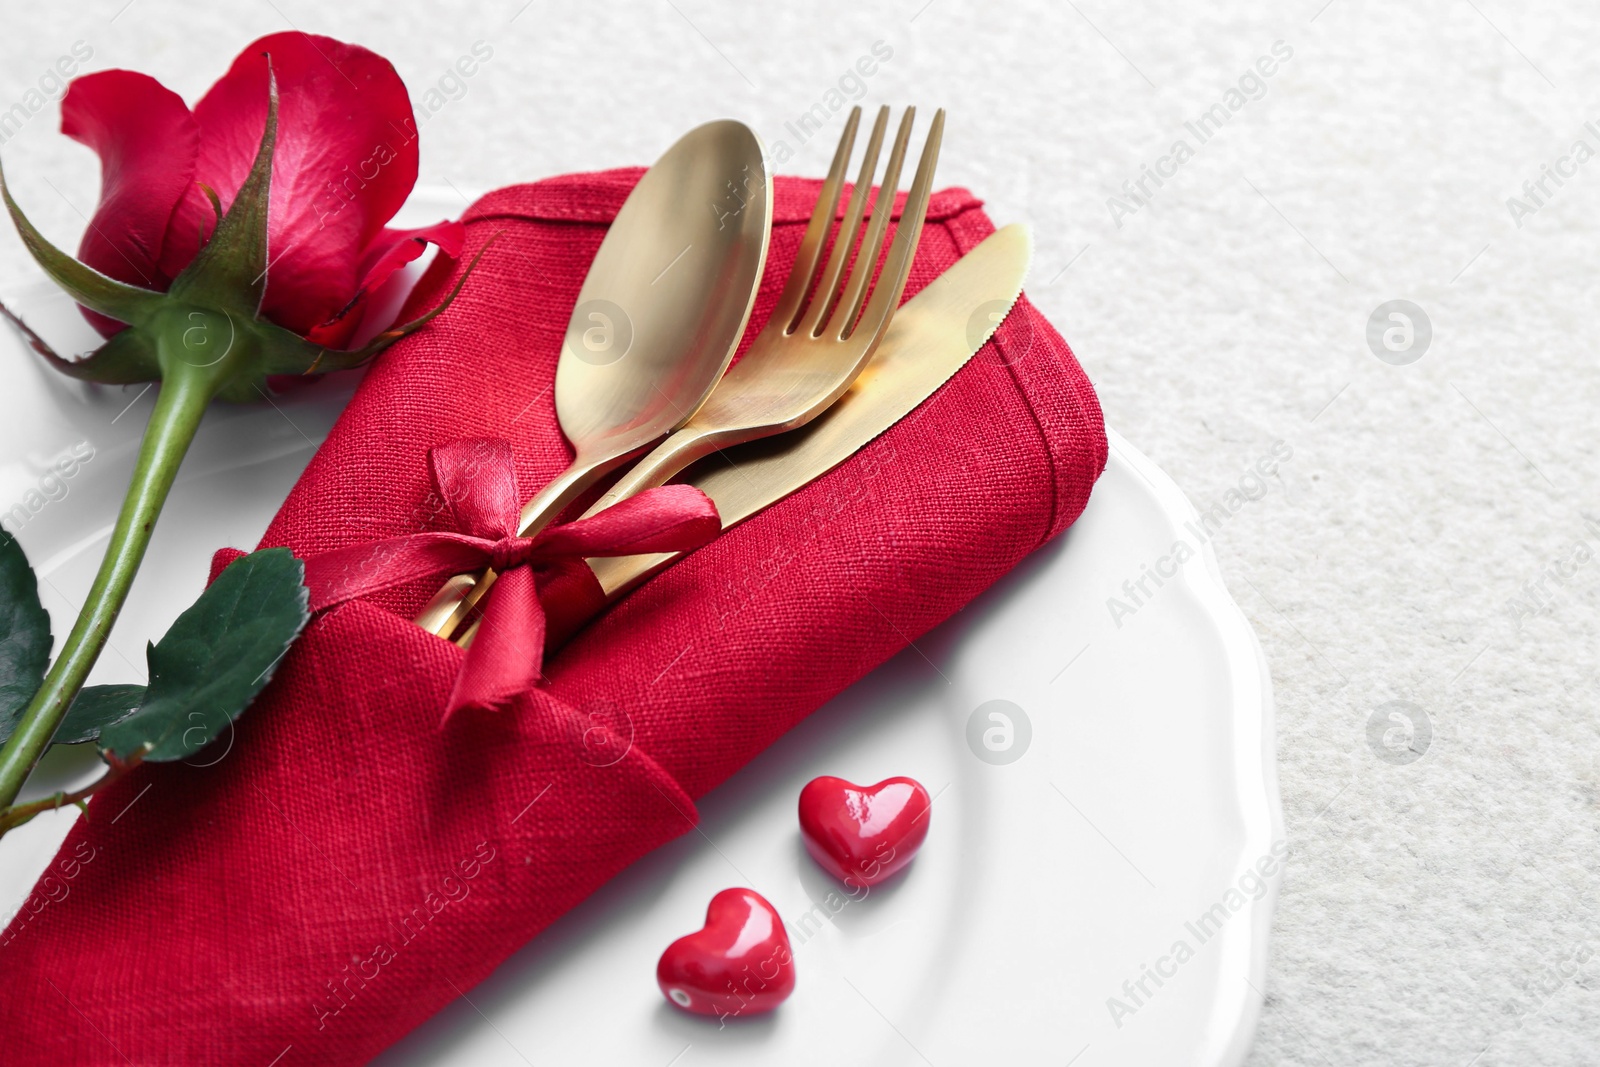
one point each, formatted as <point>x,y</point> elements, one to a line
<point>863,834</point>
<point>739,963</point>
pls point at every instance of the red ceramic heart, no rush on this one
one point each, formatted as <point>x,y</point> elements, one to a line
<point>739,963</point>
<point>863,834</point>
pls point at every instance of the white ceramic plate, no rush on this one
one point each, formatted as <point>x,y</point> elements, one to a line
<point>1089,894</point>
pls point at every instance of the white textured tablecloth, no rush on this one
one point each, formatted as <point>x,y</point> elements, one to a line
<point>1427,542</point>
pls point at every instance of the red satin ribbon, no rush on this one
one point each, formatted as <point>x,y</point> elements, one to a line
<point>477,480</point>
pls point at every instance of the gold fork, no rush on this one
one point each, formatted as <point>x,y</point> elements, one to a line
<point>810,352</point>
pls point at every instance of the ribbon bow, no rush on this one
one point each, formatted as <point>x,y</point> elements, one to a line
<point>477,480</point>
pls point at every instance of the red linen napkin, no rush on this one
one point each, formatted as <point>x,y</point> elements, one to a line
<point>343,867</point>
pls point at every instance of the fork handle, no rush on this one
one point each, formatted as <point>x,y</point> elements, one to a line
<point>658,468</point>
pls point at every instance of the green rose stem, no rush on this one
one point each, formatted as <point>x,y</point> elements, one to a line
<point>188,381</point>
<point>17,814</point>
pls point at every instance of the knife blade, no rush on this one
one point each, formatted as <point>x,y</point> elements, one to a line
<point>931,337</point>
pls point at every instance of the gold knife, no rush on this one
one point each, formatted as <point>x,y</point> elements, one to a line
<point>930,338</point>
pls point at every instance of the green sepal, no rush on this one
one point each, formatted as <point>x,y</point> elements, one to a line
<point>127,358</point>
<point>95,291</point>
<point>283,352</point>
<point>230,272</point>
<point>215,201</point>
<point>216,657</point>
<point>24,634</point>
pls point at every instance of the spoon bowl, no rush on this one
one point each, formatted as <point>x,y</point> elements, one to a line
<point>668,295</point>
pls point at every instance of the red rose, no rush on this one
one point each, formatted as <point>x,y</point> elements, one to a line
<point>233,244</point>
<point>346,159</point>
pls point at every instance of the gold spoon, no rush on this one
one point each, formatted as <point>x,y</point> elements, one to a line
<point>656,323</point>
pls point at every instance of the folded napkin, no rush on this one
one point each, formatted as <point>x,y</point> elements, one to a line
<point>314,887</point>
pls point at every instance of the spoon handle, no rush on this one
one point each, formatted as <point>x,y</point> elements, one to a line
<point>563,489</point>
<point>461,594</point>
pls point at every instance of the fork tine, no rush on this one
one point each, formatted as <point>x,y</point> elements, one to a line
<point>892,282</point>
<point>866,263</point>
<point>805,262</point>
<point>845,242</point>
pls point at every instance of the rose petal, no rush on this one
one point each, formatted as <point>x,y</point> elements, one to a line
<point>395,248</point>
<point>147,143</point>
<point>392,250</point>
<point>346,160</point>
